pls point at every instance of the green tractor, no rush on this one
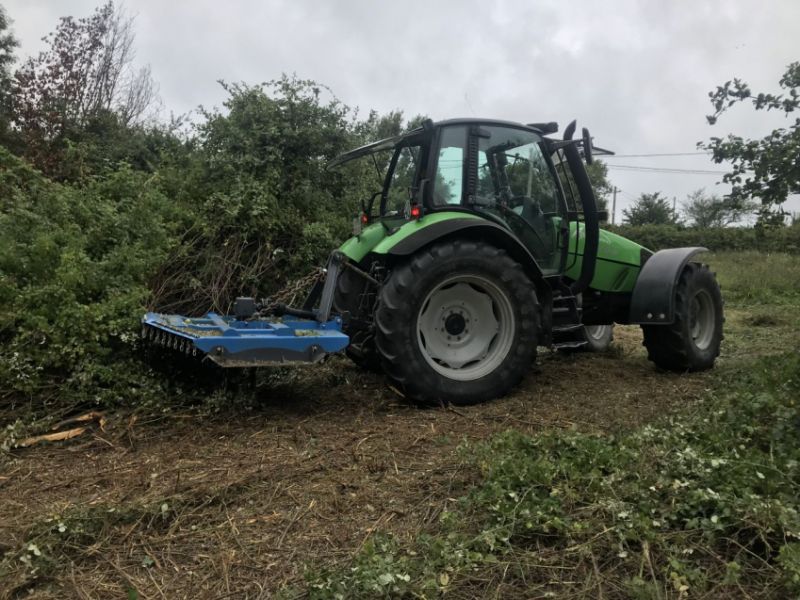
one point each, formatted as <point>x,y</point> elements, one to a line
<point>483,244</point>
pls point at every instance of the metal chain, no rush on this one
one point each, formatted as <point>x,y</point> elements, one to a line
<point>290,291</point>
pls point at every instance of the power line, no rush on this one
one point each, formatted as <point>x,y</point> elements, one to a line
<point>656,154</point>
<point>649,169</point>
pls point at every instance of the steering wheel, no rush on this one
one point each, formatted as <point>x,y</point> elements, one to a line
<point>530,207</point>
<point>539,245</point>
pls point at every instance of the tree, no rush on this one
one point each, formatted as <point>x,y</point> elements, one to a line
<point>712,211</point>
<point>650,209</point>
<point>7,45</point>
<point>765,169</point>
<point>598,175</point>
<point>85,74</point>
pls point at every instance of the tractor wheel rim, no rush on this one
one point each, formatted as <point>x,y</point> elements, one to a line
<point>701,320</point>
<point>465,327</point>
<point>596,332</point>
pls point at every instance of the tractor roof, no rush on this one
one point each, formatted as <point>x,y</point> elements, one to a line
<point>428,126</point>
<point>391,142</point>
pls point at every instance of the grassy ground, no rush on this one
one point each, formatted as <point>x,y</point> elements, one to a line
<point>330,464</point>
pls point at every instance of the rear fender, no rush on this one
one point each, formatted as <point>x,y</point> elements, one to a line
<point>653,299</point>
<point>469,229</point>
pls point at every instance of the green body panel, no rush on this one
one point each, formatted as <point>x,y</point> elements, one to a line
<point>618,260</point>
<point>375,238</point>
<point>358,246</point>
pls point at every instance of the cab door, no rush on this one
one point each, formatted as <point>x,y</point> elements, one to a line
<point>505,174</point>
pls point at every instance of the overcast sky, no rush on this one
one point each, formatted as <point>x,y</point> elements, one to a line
<point>637,73</point>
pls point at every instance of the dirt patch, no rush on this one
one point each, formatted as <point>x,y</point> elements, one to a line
<point>237,504</point>
<point>764,320</point>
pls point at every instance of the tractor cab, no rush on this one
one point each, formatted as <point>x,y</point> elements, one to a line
<point>506,173</point>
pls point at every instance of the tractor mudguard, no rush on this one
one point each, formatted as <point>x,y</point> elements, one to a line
<point>474,228</point>
<point>653,299</point>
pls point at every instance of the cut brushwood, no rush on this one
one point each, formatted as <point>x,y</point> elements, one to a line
<point>66,434</point>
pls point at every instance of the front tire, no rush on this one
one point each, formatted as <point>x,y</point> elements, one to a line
<point>598,337</point>
<point>457,323</point>
<point>692,341</point>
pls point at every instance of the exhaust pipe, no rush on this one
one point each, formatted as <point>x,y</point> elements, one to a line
<point>591,221</point>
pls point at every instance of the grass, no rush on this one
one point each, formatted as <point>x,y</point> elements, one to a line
<point>752,278</point>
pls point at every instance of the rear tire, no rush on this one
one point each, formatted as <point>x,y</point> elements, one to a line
<point>457,323</point>
<point>692,341</point>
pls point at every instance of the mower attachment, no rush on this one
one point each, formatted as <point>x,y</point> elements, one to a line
<point>231,342</point>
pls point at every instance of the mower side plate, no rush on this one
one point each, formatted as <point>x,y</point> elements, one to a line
<point>231,342</point>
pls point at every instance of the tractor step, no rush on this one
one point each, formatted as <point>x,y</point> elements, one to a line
<point>568,336</point>
<point>233,342</point>
<point>569,345</point>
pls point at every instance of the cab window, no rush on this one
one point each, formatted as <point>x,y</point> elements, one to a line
<point>447,188</point>
<point>401,182</point>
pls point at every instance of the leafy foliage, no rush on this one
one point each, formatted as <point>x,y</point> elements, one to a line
<point>659,237</point>
<point>74,267</point>
<point>712,211</point>
<point>765,169</point>
<point>85,74</point>
<point>263,207</point>
<point>650,209</point>
<point>8,44</point>
<point>598,175</point>
<point>182,226</point>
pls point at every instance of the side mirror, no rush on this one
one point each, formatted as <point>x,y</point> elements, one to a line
<point>602,215</point>
<point>587,147</point>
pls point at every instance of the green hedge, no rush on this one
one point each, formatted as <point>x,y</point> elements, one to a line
<point>74,269</point>
<point>658,237</point>
<point>239,209</point>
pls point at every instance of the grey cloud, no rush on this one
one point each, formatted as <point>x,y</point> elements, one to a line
<point>637,73</point>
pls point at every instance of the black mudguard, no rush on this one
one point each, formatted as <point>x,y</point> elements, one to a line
<point>653,299</point>
<point>474,229</point>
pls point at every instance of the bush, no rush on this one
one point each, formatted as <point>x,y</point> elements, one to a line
<point>265,209</point>
<point>74,267</point>
<point>147,220</point>
<point>658,237</point>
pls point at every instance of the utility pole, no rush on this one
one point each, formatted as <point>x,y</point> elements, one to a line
<point>674,204</point>
<point>614,206</point>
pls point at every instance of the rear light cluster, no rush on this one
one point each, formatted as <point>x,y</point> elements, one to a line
<point>416,211</point>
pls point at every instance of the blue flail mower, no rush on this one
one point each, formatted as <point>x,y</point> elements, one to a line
<point>233,342</point>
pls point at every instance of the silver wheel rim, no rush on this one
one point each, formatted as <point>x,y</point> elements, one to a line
<point>465,327</point>
<point>701,319</point>
<point>596,332</point>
